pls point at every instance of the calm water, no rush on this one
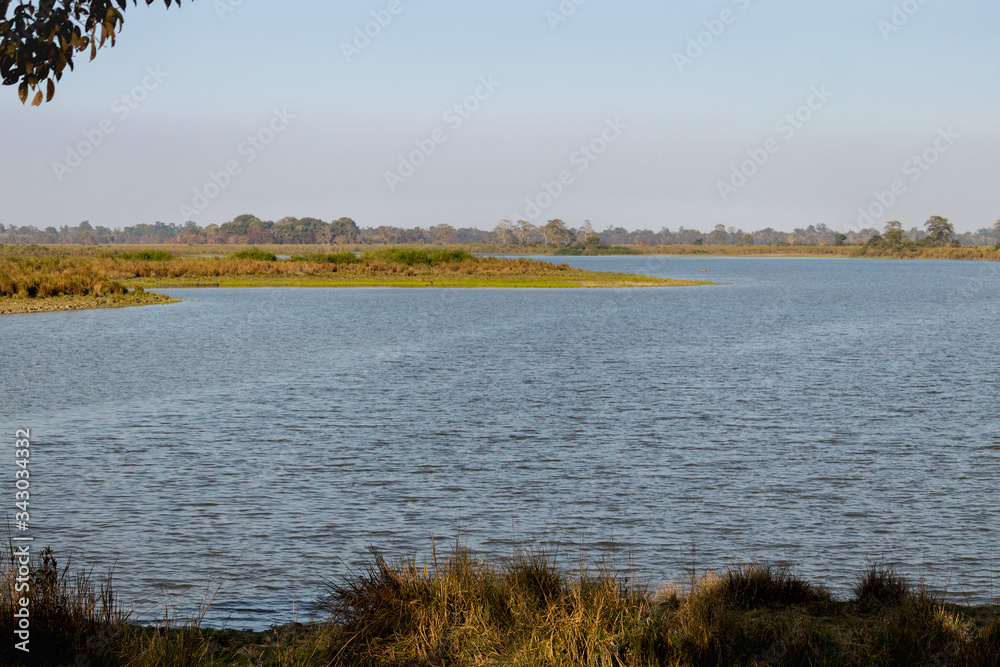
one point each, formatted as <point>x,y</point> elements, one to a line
<point>819,413</point>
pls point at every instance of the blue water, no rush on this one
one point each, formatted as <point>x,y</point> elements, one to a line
<point>815,413</point>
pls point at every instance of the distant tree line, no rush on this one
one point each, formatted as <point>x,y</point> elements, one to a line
<point>936,231</point>
<point>243,229</point>
<point>249,229</point>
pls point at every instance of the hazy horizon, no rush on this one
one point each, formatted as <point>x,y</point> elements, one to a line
<point>159,127</point>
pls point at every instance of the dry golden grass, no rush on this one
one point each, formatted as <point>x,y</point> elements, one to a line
<point>36,277</point>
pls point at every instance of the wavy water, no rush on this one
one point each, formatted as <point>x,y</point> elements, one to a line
<point>819,413</point>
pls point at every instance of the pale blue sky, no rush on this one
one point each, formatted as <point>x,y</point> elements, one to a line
<point>686,127</point>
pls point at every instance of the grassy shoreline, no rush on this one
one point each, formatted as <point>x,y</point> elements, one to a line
<point>458,609</point>
<point>44,281</point>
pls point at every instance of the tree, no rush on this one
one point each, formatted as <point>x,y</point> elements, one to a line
<point>344,229</point>
<point>524,231</point>
<point>443,234</point>
<point>939,230</point>
<point>37,43</point>
<point>504,232</point>
<point>555,231</point>
<point>893,232</point>
<point>839,239</point>
<point>719,235</point>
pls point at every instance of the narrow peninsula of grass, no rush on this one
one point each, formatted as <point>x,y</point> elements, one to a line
<point>38,281</point>
<point>459,609</point>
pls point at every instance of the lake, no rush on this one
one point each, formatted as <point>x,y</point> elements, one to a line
<point>820,413</point>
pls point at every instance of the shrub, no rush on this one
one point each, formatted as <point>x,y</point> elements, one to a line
<point>328,258</point>
<point>147,255</point>
<point>413,257</point>
<point>255,253</point>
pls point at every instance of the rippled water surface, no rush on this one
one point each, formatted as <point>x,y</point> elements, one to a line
<point>819,413</point>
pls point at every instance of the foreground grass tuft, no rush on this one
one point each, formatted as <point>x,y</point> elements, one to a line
<point>759,585</point>
<point>881,584</point>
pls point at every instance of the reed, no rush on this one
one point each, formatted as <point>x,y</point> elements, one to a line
<point>68,609</point>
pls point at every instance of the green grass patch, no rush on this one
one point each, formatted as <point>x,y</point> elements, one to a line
<point>586,279</point>
<point>595,251</point>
